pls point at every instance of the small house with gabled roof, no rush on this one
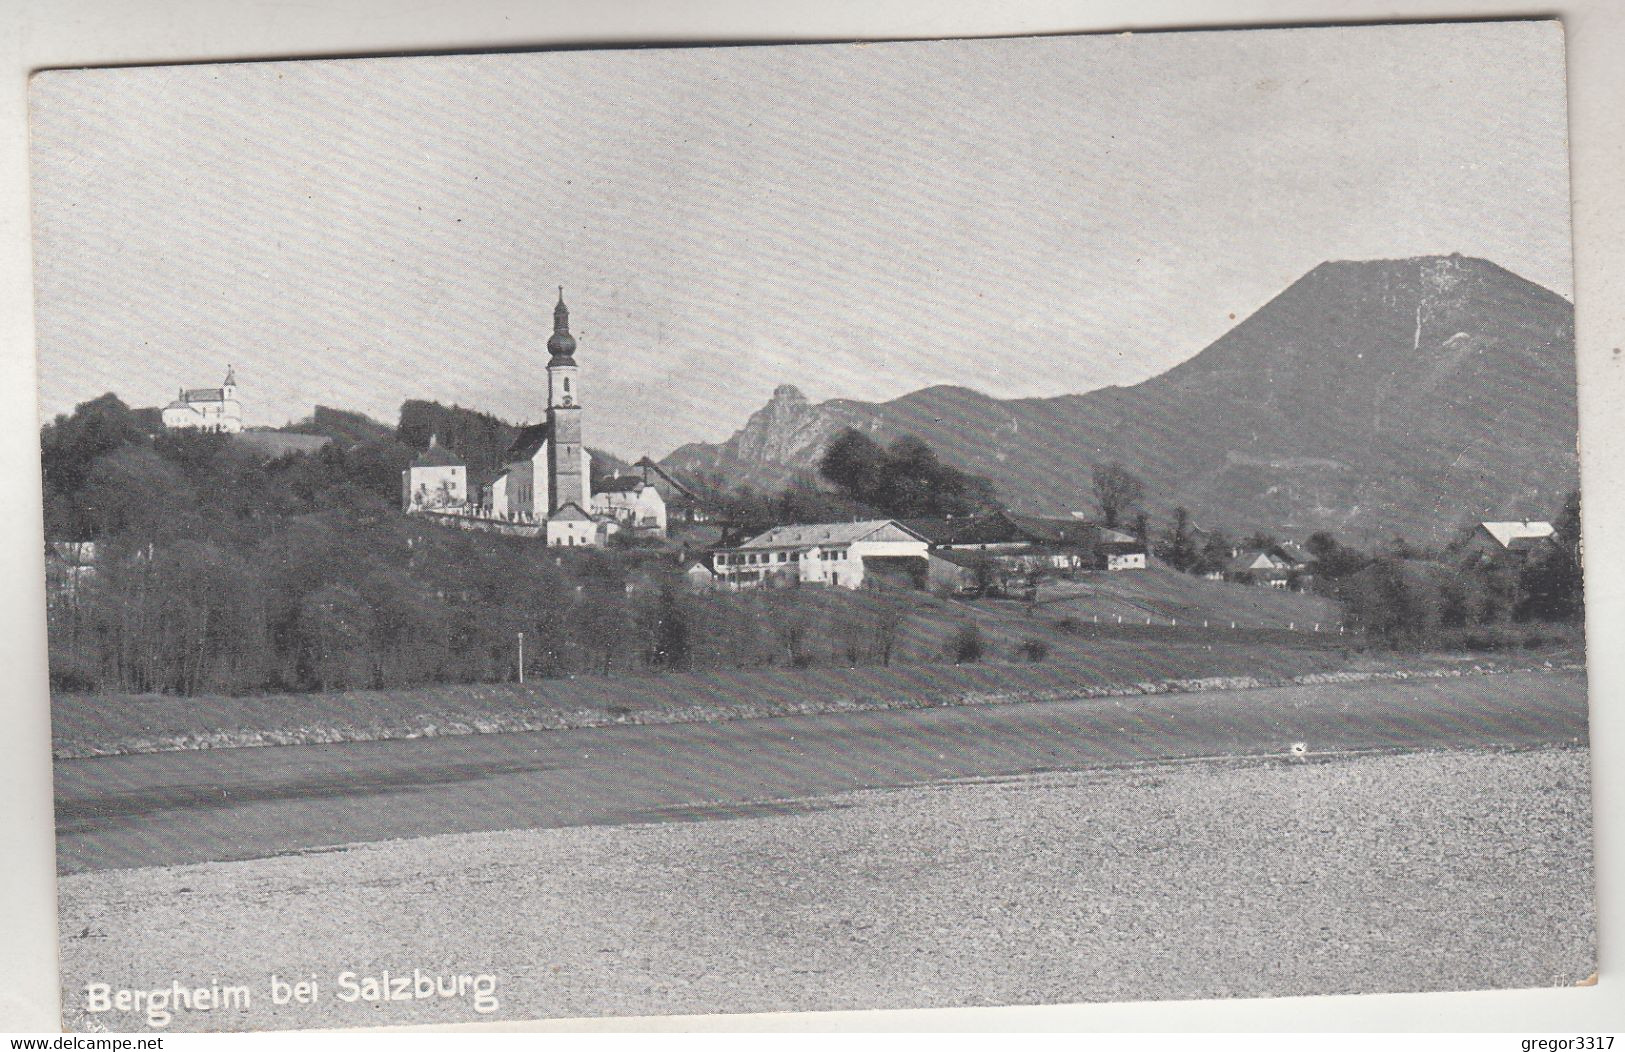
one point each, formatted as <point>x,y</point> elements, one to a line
<point>571,527</point>
<point>436,480</point>
<point>632,502</point>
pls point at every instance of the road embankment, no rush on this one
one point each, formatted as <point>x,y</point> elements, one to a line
<point>112,725</point>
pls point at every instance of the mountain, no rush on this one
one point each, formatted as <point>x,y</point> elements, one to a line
<point>1370,398</point>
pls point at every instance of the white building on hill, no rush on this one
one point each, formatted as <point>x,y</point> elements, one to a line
<point>632,502</point>
<point>206,408</point>
<point>436,480</point>
<point>838,554</point>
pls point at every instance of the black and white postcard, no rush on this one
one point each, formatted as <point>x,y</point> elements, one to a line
<point>797,528</point>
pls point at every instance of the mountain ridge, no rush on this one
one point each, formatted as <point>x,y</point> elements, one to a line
<point>1370,397</point>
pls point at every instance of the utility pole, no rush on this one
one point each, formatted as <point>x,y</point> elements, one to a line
<point>521,657</point>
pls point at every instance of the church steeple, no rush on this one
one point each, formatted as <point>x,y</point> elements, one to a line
<point>561,344</point>
<point>567,459</point>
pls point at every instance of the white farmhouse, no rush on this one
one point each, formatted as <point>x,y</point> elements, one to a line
<point>571,527</point>
<point>435,480</point>
<point>632,502</point>
<point>838,554</point>
<point>206,408</point>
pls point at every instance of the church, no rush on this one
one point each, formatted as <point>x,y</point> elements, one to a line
<point>544,486</point>
<point>546,472</point>
<point>206,408</point>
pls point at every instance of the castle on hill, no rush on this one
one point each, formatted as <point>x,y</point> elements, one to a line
<point>206,408</point>
<point>544,487</point>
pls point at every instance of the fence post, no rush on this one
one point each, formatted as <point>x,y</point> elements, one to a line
<point>1232,624</point>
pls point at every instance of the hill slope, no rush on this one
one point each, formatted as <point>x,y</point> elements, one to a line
<point>1370,398</point>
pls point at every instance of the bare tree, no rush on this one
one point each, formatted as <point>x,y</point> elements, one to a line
<point>887,615</point>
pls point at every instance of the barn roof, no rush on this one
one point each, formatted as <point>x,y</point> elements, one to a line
<point>619,484</point>
<point>824,533</point>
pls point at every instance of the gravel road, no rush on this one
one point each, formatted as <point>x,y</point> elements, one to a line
<point>1423,871</point>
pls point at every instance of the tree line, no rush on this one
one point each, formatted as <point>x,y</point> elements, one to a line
<point>219,571</point>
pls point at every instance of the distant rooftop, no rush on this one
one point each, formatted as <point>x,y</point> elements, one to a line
<point>1516,534</point>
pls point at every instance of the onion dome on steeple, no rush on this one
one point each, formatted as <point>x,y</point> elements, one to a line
<point>561,345</point>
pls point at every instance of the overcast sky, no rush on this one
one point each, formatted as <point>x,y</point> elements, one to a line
<point>1025,217</point>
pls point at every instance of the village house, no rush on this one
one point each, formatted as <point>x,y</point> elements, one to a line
<point>699,575</point>
<point>685,501</point>
<point>206,408</point>
<point>1490,540</point>
<point>1024,544</point>
<point>839,554</point>
<point>435,480</point>
<point>631,501</point>
<point>571,527</point>
<point>1277,566</point>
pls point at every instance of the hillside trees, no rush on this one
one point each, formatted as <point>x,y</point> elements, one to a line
<point>903,480</point>
<point>1117,491</point>
<point>1386,600</point>
<point>1333,559</point>
<point>1550,584</point>
<point>479,438</point>
<point>1178,545</point>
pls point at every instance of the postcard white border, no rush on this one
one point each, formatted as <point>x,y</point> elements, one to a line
<point>53,33</point>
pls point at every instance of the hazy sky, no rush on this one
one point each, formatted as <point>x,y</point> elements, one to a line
<point>1025,217</point>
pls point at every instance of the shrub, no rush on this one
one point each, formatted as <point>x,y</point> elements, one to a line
<point>1484,639</point>
<point>966,645</point>
<point>1033,649</point>
<point>1069,624</point>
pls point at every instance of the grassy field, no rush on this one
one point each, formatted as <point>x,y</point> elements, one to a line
<point>1165,595</point>
<point>90,725</point>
